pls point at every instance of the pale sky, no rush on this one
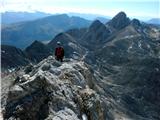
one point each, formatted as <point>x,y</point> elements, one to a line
<point>133,8</point>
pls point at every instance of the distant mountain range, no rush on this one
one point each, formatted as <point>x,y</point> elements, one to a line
<point>91,16</point>
<point>20,29</point>
<point>23,34</point>
<point>14,17</point>
<point>154,21</point>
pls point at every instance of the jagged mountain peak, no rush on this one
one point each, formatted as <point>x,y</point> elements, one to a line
<point>37,51</point>
<point>62,37</point>
<point>119,21</point>
<point>121,14</point>
<point>135,22</point>
<point>96,35</point>
<point>36,44</point>
<point>96,24</point>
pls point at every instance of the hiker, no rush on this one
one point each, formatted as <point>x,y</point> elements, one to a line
<point>59,52</point>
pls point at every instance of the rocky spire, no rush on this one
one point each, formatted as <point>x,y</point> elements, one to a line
<point>119,21</point>
<point>37,51</point>
<point>96,24</point>
<point>136,22</point>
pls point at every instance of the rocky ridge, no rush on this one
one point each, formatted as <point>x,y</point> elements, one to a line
<point>53,90</point>
<point>71,90</point>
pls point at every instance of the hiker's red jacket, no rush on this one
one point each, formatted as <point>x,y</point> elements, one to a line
<point>59,52</point>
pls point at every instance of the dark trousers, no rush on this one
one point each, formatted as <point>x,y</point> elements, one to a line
<point>59,58</point>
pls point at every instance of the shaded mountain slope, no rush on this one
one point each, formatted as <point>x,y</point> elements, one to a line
<point>12,57</point>
<point>37,51</point>
<point>94,36</point>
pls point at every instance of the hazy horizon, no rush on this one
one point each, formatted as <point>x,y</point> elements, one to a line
<point>143,10</point>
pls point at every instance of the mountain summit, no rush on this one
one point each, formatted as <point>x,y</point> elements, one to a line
<point>119,21</point>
